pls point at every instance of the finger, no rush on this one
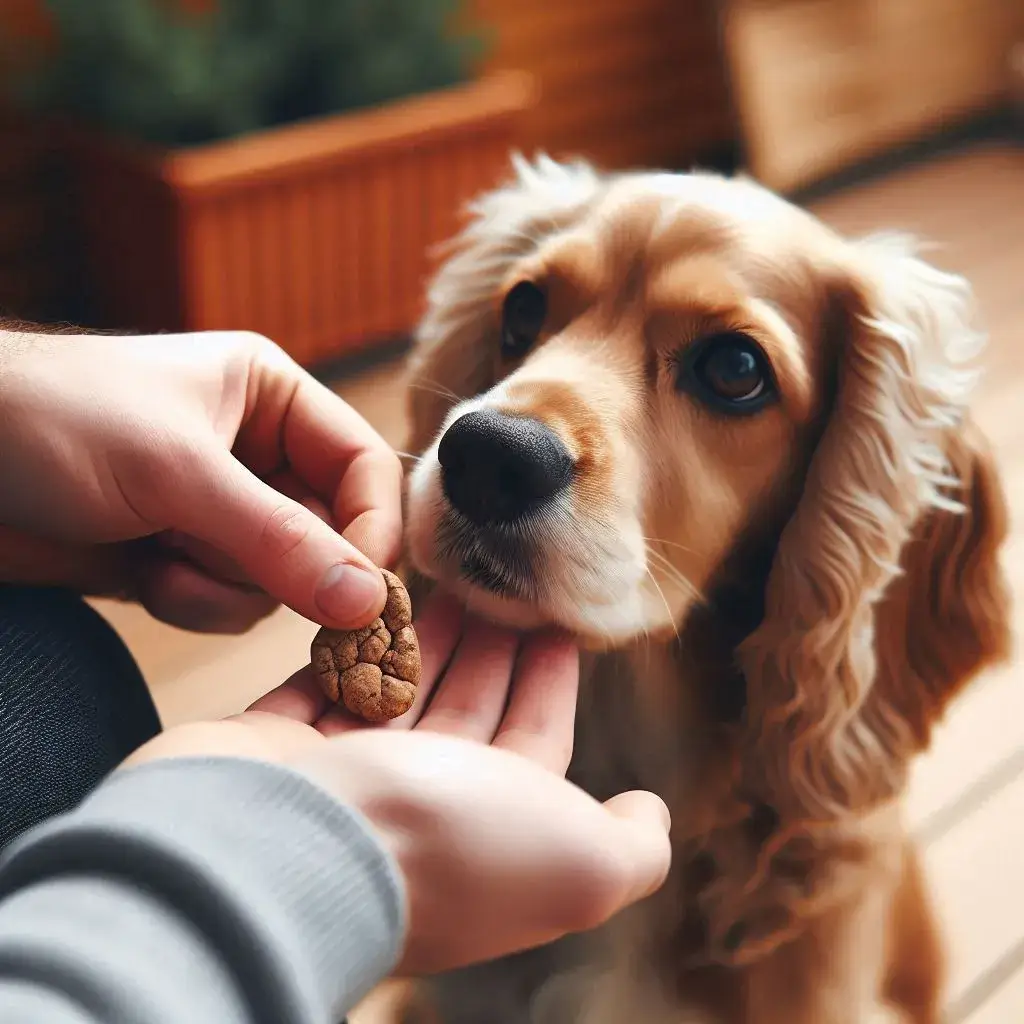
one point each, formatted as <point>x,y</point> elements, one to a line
<point>282,546</point>
<point>299,698</point>
<point>185,596</point>
<point>215,562</point>
<point>439,628</point>
<point>342,458</point>
<point>471,698</point>
<point>643,823</point>
<point>339,721</point>
<point>367,505</point>
<point>291,486</point>
<point>541,717</point>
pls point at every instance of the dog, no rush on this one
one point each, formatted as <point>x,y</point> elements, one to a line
<point>731,452</point>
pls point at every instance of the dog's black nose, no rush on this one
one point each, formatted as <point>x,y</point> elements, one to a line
<point>496,468</point>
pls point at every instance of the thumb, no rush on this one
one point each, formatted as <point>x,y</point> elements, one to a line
<point>281,545</point>
<point>643,823</point>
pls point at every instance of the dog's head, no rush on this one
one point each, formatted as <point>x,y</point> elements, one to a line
<point>631,390</point>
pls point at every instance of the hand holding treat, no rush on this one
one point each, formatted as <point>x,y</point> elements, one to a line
<point>374,671</point>
<point>210,478</point>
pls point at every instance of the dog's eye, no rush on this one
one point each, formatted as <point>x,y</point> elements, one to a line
<point>729,371</point>
<point>522,318</point>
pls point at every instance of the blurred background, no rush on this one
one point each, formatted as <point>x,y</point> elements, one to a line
<point>289,166</point>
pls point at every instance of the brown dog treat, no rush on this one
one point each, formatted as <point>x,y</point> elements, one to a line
<point>374,671</point>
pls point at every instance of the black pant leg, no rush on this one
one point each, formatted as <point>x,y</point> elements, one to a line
<point>73,704</point>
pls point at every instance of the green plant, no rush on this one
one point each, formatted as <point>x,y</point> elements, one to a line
<point>150,70</point>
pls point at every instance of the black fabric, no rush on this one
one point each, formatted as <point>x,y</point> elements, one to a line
<point>73,704</point>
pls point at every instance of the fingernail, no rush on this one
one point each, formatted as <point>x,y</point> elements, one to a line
<point>350,595</point>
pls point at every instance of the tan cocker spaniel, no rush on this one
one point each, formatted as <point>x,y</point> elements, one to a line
<point>731,451</point>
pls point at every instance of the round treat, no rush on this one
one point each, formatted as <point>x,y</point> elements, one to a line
<point>374,671</point>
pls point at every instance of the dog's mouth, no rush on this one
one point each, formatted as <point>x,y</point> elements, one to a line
<point>501,561</point>
<point>496,516</point>
<point>548,570</point>
<point>491,576</point>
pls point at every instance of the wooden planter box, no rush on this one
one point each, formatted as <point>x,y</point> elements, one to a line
<point>319,235</point>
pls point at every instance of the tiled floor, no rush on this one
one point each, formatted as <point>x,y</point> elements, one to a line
<point>967,798</point>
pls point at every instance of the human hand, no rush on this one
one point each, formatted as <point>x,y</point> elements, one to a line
<point>498,851</point>
<point>236,479</point>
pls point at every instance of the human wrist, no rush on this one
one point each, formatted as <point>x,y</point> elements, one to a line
<point>287,882</point>
<point>27,558</point>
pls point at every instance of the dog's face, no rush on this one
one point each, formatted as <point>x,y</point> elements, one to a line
<point>622,384</point>
<point>657,362</point>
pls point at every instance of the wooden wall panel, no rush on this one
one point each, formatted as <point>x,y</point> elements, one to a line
<point>822,84</point>
<point>623,82</point>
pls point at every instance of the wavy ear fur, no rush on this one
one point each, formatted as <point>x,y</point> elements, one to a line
<point>457,340</point>
<point>885,595</point>
<point>948,614</point>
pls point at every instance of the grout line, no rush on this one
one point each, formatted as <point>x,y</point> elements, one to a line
<point>986,986</point>
<point>938,824</point>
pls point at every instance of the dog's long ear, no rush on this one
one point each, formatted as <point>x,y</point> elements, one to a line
<point>458,338</point>
<point>948,614</point>
<point>885,595</point>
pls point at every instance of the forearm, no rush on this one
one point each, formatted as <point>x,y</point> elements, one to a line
<point>222,891</point>
<point>26,559</point>
<point>14,336</point>
<point>99,570</point>
<point>19,338</point>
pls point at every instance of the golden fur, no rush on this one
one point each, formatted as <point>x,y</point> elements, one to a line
<point>777,607</point>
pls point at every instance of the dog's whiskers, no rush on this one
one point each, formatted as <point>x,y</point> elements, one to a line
<point>675,574</point>
<point>669,544</point>
<point>664,601</point>
<point>435,389</point>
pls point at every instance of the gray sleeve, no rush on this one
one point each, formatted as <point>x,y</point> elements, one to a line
<point>213,891</point>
